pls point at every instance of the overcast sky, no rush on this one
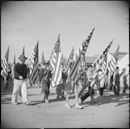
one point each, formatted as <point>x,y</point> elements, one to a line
<point>23,23</point>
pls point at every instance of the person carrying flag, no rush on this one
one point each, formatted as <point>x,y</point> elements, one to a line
<point>46,80</point>
<point>124,80</point>
<point>69,88</point>
<point>90,86</point>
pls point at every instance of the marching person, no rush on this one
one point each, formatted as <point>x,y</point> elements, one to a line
<point>61,87</point>
<point>124,80</point>
<point>39,74</point>
<point>90,87</point>
<point>46,80</point>
<point>101,81</point>
<point>116,81</point>
<point>69,88</point>
<point>20,79</point>
<point>78,84</point>
<point>111,82</point>
<point>8,77</point>
<point>84,82</point>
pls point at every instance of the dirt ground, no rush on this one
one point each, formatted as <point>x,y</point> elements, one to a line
<point>110,111</point>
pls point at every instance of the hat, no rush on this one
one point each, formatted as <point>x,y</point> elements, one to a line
<point>22,58</point>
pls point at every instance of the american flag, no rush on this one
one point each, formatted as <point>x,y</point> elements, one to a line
<point>112,64</point>
<point>12,69</point>
<point>63,62</point>
<point>70,59</point>
<point>79,59</point>
<point>55,63</point>
<point>4,71</point>
<point>34,59</point>
<point>73,71</point>
<point>101,63</point>
<point>86,42</point>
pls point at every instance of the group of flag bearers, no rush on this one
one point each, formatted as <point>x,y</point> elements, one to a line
<point>66,76</point>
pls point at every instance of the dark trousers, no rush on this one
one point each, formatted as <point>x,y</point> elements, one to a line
<point>116,89</point>
<point>82,90</point>
<point>45,89</point>
<point>89,93</point>
<point>125,87</point>
<point>101,90</point>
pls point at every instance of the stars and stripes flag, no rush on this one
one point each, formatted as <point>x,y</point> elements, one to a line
<point>55,63</point>
<point>4,71</point>
<point>63,62</point>
<point>34,60</point>
<point>70,60</point>
<point>101,63</point>
<point>74,69</point>
<point>12,69</point>
<point>112,64</point>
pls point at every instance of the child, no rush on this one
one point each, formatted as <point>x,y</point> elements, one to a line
<point>116,82</point>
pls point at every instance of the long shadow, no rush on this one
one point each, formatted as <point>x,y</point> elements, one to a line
<point>50,100</point>
<point>61,99</point>
<point>110,99</point>
<point>33,103</point>
<point>6,100</point>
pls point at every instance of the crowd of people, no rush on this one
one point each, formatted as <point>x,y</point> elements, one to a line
<point>82,87</point>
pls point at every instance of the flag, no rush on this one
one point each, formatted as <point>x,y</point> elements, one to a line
<point>79,59</point>
<point>55,63</point>
<point>71,58</point>
<point>53,56</point>
<point>34,58</point>
<point>4,71</point>
<point>12,69</point>
<point>112,64</point>
<point>85,43</point>
<point>74,69</point>
<point>101,63</point>
<point>63,61</point>
<point>23,52</point>
<point>43,59</point>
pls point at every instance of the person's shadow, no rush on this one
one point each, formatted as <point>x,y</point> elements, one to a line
<point>100,100</point>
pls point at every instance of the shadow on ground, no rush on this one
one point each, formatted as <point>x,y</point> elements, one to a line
<point>119,100</point>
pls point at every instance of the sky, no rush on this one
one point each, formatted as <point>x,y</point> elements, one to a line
<point>23,23</point>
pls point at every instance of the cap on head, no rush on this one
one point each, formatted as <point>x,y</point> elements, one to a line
<point>22,58</point>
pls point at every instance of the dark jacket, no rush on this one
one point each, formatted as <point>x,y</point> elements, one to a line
<point>64,76</point>
<point>20,70</point>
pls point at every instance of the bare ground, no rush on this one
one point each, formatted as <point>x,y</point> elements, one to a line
<point>110,111</point>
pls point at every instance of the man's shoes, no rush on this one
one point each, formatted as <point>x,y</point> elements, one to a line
<point>15,103</point>
<point>78,106</point>
<point>81,101</point>
<point>67,106</point>
<point>46,101</point>
<point>27,103</point>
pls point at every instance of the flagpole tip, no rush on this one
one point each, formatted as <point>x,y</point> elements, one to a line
<point>93,27</point>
